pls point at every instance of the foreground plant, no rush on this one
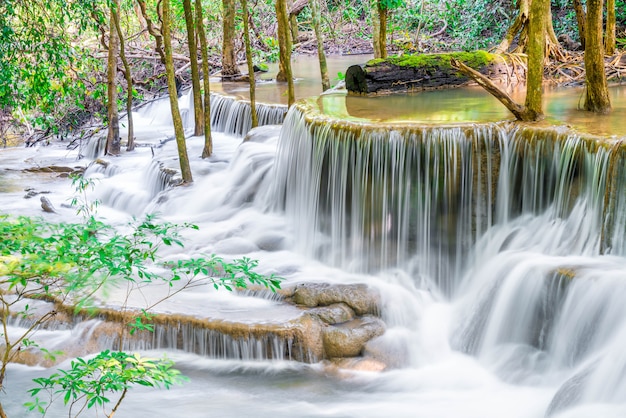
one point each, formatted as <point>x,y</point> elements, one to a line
<point>69,264</point>
<point>89,383</point>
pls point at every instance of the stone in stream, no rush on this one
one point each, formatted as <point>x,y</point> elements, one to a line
<point>361,298</point>
<point>46,205</point>
<point>349,339</point>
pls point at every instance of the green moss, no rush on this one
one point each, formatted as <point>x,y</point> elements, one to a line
<point>474,59</point>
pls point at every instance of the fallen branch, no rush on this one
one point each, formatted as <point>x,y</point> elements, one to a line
<point>520,112</point>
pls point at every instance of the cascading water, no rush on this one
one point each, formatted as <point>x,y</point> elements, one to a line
<point>498,250</point>
<point>367,198</point>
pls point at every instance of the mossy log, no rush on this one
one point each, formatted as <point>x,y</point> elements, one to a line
<point>409,73</point>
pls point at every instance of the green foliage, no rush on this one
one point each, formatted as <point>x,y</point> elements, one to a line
<point>476,24</point>
<point>41,64</point>
<point>91,383</point>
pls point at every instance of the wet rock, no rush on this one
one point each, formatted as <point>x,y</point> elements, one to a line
<point>308,342</point>
<point>30,192</point>
<point>46,205</point>
<point>336,313</point>
<point>349,339</point>
<point>362,299</point>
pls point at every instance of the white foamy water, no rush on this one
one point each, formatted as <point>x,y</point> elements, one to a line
<point>502,287</point>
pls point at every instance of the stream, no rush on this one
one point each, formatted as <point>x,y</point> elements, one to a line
<point>502,281</point>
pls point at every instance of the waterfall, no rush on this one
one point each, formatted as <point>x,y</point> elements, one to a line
<point>427,198</point>
<point>232,116</point>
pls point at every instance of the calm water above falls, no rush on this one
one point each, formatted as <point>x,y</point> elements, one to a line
<point>499,255</point>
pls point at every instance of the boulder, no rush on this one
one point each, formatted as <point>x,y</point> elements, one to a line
<point>336,313</point>
<point>362,299</point>
<point>348,339</point>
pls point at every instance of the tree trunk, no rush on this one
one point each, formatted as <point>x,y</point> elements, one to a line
<point>171,88</point>
<point>537,23</point>
<point>609,40</point>
<point>113,134</point>
<point>229,61</point>
<point>519,22</point>
<point>208,141</point>
<point>142,22</point>
<point>293,22</point>
<point>130,142</point>
<point>520,29</point>
<point>580,20</point>
<point>316,14</point>
<point>195,73</point>
<point>375,29</point>
<point>597,93</point>
<point>284,43</point>
<point>246,37</point>
<point>382,34</point>
<point>154,31</point>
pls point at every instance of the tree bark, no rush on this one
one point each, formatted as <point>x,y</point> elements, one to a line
<point>284,43</point>
<point>171,87</point>
<point>580,20</point>
<point>153,30</point>
<point>229,61</point>
<point>597,92</point>
<point>375,29</point>
<point>382,34</point>
<point>519,22</point>
<point>520,29</point>
<point>316,14</point>
<point>246,37</point>
<point>130,142</point>
<point>195,73</point>
<point>113,133</point>
<point>609,40</point>
<point>293,22</point>
<point>208,141</point>
<point>537,24</point>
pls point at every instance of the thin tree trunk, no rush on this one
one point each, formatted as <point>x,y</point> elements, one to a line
<point>246,37</point>
<point>382,35</point>
<point>154,31</point>
<point>375,28</point>
<point>130,142</point>
<point>229,61</point>
<point>171,87</point>
<point>208,141</point>
<point>195,73</point>
<point>113,134</point>
<point>316,14</point>
<point>609,40</point>
<point>537,25</point>
<point>284,42</point>
<point>580,20</point>
<point>293,22</point>
<point>142,22</point>
<point>597,93</point>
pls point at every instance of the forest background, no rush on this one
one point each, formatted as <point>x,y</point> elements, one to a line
<point>53,54</point>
